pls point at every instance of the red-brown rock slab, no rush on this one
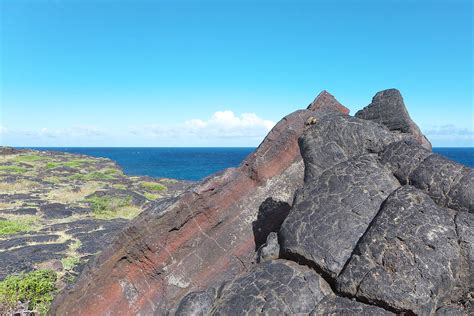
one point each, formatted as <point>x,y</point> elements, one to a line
<point>198,240</point>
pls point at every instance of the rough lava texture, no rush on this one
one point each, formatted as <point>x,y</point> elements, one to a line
<point>204,237</point>
<point>326,225</point>
<point>388,108</point>
<point>378,225</point>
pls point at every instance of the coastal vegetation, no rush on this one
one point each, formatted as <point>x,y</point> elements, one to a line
<point>56,211</point>
<point>23,292</point>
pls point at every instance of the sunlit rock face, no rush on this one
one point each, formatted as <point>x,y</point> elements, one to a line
<point>331,214</point>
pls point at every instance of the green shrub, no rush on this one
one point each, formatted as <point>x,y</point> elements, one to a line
<point>36,287</point>
<point>12,226</point>
<point>12,169</point>
<point>153,186</point>
<point>105,207</point>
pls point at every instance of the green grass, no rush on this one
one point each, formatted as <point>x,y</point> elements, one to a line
<point>120,186</point>
<point>169,181</point>
<point>151,196</point>
<point>36,287</point>
<point>92,176</point>
<point>29,158</point>
<point>152,186</point>
<point>51,165</point>
<point>111,171</point>
<point>106,207</point>
<point>70,262</point>
<point>12,169</point>
<point>13,226</point>
<point>73,258</point>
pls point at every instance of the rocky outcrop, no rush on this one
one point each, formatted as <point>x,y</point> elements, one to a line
<point>378,225</point>
<point>388,108</point>
<point>201,239</point>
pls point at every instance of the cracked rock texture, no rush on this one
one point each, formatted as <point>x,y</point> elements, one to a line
<point>375,224</point>
<point>327,223</point>
<point>204,237</point>
<point>388,108</point>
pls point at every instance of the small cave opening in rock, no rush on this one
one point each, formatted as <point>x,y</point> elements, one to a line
<point>271,215</point>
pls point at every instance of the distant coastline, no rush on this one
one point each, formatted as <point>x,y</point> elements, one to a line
<point>196,163</point>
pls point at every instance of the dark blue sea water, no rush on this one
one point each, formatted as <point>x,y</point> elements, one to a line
<point>178,163</point>
<point>198,163</point>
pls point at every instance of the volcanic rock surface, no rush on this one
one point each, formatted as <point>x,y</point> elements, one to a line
<point>362,219</point>
<point>58,209</point>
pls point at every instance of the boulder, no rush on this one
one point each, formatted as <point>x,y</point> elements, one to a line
<point>274,287</point>
<point>336,138</point>
<point>409,259</point>
<point>450,184</point>
<point>325,226</point>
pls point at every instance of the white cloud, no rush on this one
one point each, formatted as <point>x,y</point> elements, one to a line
<point>450,130</point>
<point>223,128</point>
<point>225,124</point>
<point>449,135</point>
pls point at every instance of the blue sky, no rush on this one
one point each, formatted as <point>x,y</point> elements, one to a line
<point>221,73</point>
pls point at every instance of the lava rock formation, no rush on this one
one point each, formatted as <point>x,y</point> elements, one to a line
<point>332,214</point>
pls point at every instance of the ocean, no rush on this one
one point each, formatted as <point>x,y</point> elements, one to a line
<point>197,163</point>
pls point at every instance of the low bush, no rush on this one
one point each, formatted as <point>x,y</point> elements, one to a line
<point>34,291</point>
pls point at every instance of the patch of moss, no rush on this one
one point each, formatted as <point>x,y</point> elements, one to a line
<point>29,158</point>
<point>51,165</point>
<point>169,181</point>
<point>105,207</point>
<point>91,176</point>
<point>120,186</point>
<point>36,288</point>
<point>151,196</point>
<point>12,169</point>
<point>16,225</point>
<point>111,171</point>
<point>53,179</point>
<point>153,186</point>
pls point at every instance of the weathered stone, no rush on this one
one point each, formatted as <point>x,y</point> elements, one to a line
<point>336,305</point>
<point>336,138</point>
<point>197,303</point>
<point>403,157</point>
<point>325,225</point>
<point>326,102</point>
<point>202,239</point>
<point>388,108</point>
<point>448,183</point>
<point>275,287</point>
<point>270,250</point>
<point>409,259</point>
<point>465,229</point>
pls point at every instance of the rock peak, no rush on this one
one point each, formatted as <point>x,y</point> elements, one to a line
<point>388,108</point>
<point>327,102</point>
